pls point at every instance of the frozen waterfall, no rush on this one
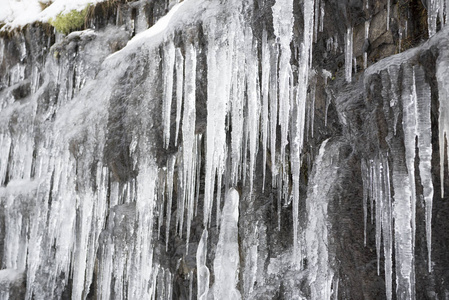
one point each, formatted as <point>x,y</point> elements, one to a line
<point>208,149</point>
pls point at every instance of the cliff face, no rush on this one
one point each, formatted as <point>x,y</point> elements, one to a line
<point>267,149</point>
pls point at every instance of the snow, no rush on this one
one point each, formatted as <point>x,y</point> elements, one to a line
<point>18,13</point>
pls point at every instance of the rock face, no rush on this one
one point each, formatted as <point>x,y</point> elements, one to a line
<point>12,284</point>
<point>266,149</point>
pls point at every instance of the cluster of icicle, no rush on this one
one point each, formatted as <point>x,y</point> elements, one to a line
<point>253,107</point>
<point>395,219</point>
<point>50,164</point>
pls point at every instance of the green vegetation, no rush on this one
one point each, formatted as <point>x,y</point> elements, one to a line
<point>66,23</point>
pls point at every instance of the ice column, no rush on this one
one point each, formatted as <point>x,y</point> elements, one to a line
<point>348,55</point>
<point>376,187</point>
<point>424,129</point>
<point>299,118</point>
<point>188,133</point>
<point>320,274</point>
<point>253,104</point>
<point>169,62</point>
<point>403,233</point>
<point>179,90</point>
<point>218,91</point>
<point>227,257</point>
<point>283,29</point>
<point>443,95</point>
<point>202,270</point>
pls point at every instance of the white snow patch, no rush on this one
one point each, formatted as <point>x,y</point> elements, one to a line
<point>18,13</point>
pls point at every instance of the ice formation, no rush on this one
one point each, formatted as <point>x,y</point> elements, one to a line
<point>70,215</point>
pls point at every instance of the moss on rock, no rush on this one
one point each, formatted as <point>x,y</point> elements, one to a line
<point>68,22</point>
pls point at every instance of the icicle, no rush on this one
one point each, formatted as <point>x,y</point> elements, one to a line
<point>161,199</point>
<point>188,134</point>
<point>299,119</point>
<point>273,93</point>
<point>317,20</point>
<point>378,201</point>
<point>320,274</point>
<point>365,54</point>
<point>170,173</point>
<point>169,62</point>
<point>218,92</point>
<point>179,90</point>
<point>365,179</point>
<point>424,128</point>
<point>403,233</point>
<point>312,85</point>
<point>446,12</point>
<point>226,262</point>
<point>348,55</point>
<point>252,104</point>
<point>283,29</point>
<point>265,100</point>
<point>387,227</point>
<point>409,123</point>
<point>322,16</point>
<point>237,105</point>
<point>202,270</point>
<point>326,75</point>
<point>443,121</point>
<point>432,15</point>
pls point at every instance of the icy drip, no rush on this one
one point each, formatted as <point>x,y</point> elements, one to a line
<point>409,100</point>
<point>142,257</point>
<point>167,75</point>
<point>403,233</point>
<point>311,104</point>
<point>443,121</point>
<point>188,138</point>
<point>348,54</point>
<point>322,12</point>
<point>227,257</point>
<point>237,103</point>
<point>376,186</point>
<point>273,94</point>
<point>170,173</point>
<point>265,100</point>
<point>432,15</point>
<point>417,125</point>
<point>365,54</point>
<point>424,128</point>
<point>316,20</point>
<point>253,104</point>
<point>283,29</point>
<point>299,119</point>
<point>179,90</point>
<point>320,274</point>
<point>326,75</point>
<point>202,270</point>
<point>218,92</point>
